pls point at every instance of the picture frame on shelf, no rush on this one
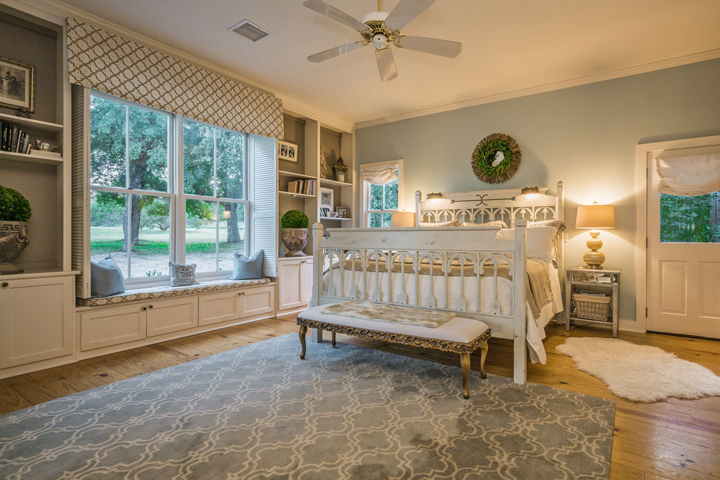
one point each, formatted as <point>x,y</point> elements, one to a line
<point>327,198</point>
<point>344,212</point>
<point>324,212</point>
<point>287,151</point>
<point>17,85</point>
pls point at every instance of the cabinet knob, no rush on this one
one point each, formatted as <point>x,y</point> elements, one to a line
<point>143,308</point>
<point>5,284</point>
<point>150,306</point>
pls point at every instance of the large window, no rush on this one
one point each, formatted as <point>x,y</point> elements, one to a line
<point>157,197</point>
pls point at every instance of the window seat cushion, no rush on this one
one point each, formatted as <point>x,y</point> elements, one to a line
<point>166,291</point>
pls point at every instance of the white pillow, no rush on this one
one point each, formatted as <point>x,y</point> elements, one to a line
<point>539,241</point>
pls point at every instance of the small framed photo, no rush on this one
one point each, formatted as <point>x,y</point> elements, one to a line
<point>324,212</point>
<point>344,212</point>
<point>327,198</point>
<point>287,151</point>
<point>17,85</point>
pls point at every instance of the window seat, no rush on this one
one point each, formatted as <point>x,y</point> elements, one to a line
<point>166,291</point>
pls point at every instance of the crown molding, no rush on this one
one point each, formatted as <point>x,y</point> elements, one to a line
<point>626,72</point>
<point>61,10</point>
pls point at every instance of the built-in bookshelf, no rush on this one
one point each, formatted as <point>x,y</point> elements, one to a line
<point>312,138</point>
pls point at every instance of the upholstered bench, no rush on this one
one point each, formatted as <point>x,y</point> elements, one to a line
<point>459,335</point>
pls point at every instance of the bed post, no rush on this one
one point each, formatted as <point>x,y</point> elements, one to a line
<point>560,215</point>
<point>317,235</point>
<point>519,306</point>
<point>418,215</point>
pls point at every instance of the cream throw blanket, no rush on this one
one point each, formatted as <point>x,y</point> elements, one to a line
<point>389,313</point>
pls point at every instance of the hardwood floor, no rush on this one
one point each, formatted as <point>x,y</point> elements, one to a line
<point>676,439</point>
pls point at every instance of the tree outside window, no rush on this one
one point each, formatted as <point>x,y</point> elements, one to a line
<point>382,202</point>
<point>690,219</point>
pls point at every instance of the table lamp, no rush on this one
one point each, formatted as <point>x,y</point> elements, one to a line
<point>402,220</point>
<point>595,217</point>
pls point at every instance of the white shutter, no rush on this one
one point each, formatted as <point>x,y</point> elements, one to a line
<point>80,189</point>
<point>263,197</point>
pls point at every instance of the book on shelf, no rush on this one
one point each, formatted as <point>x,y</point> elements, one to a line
<point>14,140</point>
<point>303,187</point>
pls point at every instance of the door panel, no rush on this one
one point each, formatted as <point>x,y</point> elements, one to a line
<point>219,307</point>
<point>683,260</point>
<point>171,316</point>
<point>307,280</point>
<point>112,326</point>
<point>673,285</point>
<point>709,281</point>
<point>257,301</point>
<point>290,273</point>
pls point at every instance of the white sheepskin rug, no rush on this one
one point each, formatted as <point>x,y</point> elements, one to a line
<point>639,372</point>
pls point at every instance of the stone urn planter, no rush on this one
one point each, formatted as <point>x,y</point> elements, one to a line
<point>14,213</point>
<point>295,240</point>
<point>295,234</point>
<point>13,240</point>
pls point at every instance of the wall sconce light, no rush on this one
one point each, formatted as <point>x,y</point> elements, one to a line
<point>435,196</point>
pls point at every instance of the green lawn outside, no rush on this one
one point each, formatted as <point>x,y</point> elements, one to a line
<point>153,242</point>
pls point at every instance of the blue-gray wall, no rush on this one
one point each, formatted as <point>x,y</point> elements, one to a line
<point>585,136</point>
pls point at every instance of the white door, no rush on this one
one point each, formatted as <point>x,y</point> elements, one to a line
<point>683,260</point>
<point>290,292</point>
<point>306,273</point>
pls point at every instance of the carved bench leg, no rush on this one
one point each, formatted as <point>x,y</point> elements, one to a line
<point>465,364</point>
<point>303,331</point>
<point>483,356</point>
<point>333,339</point>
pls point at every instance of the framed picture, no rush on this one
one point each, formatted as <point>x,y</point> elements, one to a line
<point>287,151</point>
<point>17,85</point>
<point>344,212</point>
<point>327,198</point>
<point>324,212</point>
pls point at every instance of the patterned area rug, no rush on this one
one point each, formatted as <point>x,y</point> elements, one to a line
<point>258,412</point>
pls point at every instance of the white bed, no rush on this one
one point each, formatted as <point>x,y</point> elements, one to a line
<point>464,265</point>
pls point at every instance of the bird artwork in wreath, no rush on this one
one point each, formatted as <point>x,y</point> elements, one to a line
<point>499,157</point>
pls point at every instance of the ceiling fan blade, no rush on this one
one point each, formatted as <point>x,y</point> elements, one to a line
<point>406,12</point>
<point>334,52</point>
<point>331,12</point>
<point>386,64</point>
<point>434,46</point>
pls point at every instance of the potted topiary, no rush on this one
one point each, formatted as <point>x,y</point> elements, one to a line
<point>14,213</point>
<point>295,234</point>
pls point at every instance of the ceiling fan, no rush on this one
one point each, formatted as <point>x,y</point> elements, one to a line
<point>382,30</point>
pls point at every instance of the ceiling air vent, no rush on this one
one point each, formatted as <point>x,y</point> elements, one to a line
<point>249,30</point>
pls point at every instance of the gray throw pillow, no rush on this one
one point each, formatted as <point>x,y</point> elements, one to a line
<point>106,278</point>
<point>182,275</point>
<point>245,268</point>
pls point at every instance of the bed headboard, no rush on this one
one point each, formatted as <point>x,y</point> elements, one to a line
<point>488,205</point>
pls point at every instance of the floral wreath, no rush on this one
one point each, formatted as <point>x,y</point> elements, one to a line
<point>496,158</point>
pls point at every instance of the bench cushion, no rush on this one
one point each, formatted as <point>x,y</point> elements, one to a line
<point>459,329</point>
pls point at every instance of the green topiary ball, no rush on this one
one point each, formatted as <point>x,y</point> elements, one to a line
<point>295,219</point>
<point>13,206</point>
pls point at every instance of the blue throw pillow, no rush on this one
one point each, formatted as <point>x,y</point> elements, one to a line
<point>245,268</point>
<point>106,278</point>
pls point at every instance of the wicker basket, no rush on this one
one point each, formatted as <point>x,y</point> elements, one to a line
<point>591,307</point>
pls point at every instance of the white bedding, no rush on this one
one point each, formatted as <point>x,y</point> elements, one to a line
<point>459,294</point>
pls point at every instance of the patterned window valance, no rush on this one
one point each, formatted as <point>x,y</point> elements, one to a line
<point>121,67</point>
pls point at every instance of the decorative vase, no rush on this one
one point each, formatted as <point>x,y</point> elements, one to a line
<point>295,240</point>
<point>13,240</point>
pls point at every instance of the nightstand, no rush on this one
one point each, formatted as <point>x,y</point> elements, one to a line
<point>594,280</point>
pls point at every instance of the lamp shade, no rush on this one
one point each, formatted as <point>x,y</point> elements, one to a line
<point>595,216</point>
<point>402,220</point>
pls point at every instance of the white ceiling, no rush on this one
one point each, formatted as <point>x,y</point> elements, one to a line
<point>508,45</point>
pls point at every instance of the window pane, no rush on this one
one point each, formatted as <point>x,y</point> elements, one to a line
<point>107,143</point>
<point>151,249</point>
<point>376,197</point>
<point>230,152</point>
<point>232,233</point>
<point>375,220</point>
<point>107,228</point>
<point>386,219</point>
<point>148,149</point>
<point>391,196</point>
<point>198,151</point>
<point>201,235</point>
<point>690,219</point>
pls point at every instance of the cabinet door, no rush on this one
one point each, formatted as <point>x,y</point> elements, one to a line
<point>219,307</point>
<point>256,301</point>
<point>112,326</point>
<point>306,274</point>
<point>168,316</point>
<point>37,319</point>
<point>290,274</point>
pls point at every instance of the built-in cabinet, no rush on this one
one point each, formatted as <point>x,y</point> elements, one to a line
<point>37,319</point>
<point>295,281</point>
<point>109,326</point>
